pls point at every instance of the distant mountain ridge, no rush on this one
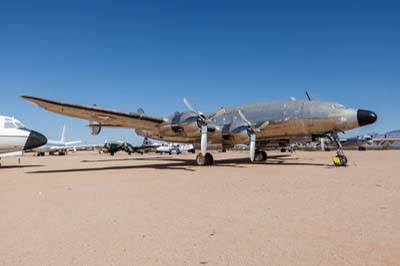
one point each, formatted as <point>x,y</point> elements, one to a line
<point>392,134</point>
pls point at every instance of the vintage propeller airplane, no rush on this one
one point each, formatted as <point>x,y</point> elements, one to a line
<point>262,125</point>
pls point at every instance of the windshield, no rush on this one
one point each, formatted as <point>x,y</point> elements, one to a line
<point>12,123</point>
<point>18,124</point>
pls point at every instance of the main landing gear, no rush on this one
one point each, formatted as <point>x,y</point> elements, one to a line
<point>340,159</point>
<point>207,159</point>
<point>260,156</point>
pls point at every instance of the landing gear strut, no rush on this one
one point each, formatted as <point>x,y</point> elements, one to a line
<point>204,160</point>
<point>340,159</point>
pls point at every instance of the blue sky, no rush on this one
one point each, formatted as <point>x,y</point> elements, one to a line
<point>126,54</point>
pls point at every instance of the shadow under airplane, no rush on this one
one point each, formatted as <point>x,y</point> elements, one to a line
<point>181,164</point>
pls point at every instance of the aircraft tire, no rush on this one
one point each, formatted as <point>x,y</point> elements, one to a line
<point>206,160</point>
<point>260,156</point>
<point>200,160</point>
<point>340,160</point>
<point>210,159</point>
<point>264,155</point>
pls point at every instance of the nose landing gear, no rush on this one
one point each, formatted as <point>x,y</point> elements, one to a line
<point>340,159</point>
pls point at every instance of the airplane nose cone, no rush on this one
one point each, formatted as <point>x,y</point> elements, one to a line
<point>35,139</point>
<point>365,117</point>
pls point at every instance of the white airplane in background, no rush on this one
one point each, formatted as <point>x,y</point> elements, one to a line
<point>15,138</point>
<point>57,146</point>
<point>175,148</point>
<point>362,142</point>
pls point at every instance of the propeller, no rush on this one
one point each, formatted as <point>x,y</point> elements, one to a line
<point>251,131</point>
<point>308,96</point>
<point>202,122</point>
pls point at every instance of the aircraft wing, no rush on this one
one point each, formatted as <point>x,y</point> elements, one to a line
<point>112,118</point>
<point>381,141</point>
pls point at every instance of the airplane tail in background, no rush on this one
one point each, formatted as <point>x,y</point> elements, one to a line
<point>62,140</point>
<point>68,143</point>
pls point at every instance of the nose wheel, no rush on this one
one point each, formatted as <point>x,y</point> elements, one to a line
<point>204,160</point>
<point>340,160</point>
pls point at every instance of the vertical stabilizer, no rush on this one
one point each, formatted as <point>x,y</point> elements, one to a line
<point>63,134</point>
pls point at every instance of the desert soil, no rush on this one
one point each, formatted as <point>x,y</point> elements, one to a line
<point>91,209</point>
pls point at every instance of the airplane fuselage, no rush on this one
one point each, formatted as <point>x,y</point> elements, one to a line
<point>290,120</point>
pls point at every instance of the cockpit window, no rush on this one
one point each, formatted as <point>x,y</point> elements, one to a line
<point>12,123</point>
<point>9,124</point>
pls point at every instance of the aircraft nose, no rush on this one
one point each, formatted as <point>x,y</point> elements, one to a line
<point>366,117</point>
<point>35,139</point>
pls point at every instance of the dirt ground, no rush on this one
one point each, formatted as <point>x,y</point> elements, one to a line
<point>91,209</point>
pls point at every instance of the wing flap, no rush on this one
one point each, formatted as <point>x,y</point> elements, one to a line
<point>113,118</point>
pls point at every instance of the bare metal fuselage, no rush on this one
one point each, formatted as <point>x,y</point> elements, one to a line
<point>288,121</point>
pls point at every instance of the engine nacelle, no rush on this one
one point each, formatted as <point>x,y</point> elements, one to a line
<point>182,129</point>
<point>95,128</point>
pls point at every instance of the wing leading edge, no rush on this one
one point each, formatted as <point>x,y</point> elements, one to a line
<point>112,118</point>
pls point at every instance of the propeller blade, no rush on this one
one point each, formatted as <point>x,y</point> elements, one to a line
<point>308,96</point>
<point>203,140</point>
<point>251,125</point>
<point>218,113</point>
<point>252,146</point>
<point>190,106</point>
<point>244,118</point>
<point>263,125</point>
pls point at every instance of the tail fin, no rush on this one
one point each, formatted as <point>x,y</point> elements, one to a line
<point>63,134</point>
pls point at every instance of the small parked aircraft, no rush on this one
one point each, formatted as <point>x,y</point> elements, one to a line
<point>112,147</point>
<point>15,138</point>
<point>259,125</point>
<point>176,148</point>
